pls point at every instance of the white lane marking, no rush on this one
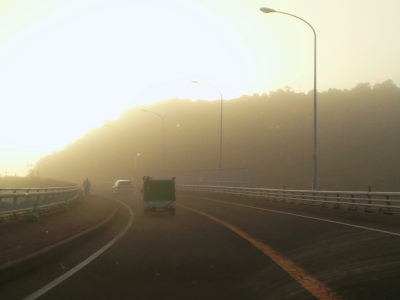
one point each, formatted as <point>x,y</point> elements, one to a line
<point>303,216</point>
<point>81,265</point>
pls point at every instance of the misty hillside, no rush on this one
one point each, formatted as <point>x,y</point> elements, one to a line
<point>269,134</point>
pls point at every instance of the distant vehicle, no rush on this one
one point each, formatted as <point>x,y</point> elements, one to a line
<point>158,195</point>
<point>122,186</point>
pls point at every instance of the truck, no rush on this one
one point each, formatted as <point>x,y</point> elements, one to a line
<point>158,195</point>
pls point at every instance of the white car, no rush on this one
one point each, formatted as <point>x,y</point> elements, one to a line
<point>122,186</point>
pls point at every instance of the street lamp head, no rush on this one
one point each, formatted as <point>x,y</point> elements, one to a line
<point>267,10</point>
<point>195,81</point>
<point>144,110</point>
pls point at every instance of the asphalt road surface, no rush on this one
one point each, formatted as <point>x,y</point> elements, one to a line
<point>200,254</point>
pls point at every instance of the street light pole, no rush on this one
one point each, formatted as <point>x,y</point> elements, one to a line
<point>162,134</point>
<point>314,185</point>
<point>221,123</point>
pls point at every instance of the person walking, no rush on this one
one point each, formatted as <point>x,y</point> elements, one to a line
<point>86,186</point>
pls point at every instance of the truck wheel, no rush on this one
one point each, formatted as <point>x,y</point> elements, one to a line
<point>173,211</point>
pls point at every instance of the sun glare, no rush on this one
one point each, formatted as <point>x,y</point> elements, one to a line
<point>66,66</point>
<point>78,67</point>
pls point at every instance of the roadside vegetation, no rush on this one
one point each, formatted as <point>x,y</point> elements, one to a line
<point>269,134</point>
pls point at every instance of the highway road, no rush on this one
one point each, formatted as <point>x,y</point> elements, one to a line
<point>223,248</point>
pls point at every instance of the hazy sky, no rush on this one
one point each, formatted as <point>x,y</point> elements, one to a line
<point>68,65</point>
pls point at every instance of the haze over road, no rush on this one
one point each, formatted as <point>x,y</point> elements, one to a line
<point>190,256</point>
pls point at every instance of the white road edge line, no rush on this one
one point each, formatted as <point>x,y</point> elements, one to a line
<point>81,265</point>
<point>303,216</point>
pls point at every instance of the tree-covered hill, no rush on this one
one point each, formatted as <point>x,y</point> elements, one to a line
<point>269,134</point>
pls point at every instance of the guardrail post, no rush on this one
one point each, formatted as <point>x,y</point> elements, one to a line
<point>300,200</point>
<point>314,197</point>
<point>303,199</point>
<point>323,204</point>
<point>276,197</point>
<point>34,213</point>
<point>293,199</point>
<point>388,209</point>
<point>337,204</point>
<point>265,194</point>
<point>279,196</point>
<point>284,195</point>
<point>15,203</point>
<point>368,207</point>
<point>352,206</point>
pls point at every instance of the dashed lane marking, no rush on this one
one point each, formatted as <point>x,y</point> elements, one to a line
<point>84,263</point>
<point>310,283</point>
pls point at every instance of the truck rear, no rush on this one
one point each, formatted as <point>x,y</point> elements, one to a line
<point>159,195</point>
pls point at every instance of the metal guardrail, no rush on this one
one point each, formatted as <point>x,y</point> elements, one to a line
<point>30,201</point>
<point>381,202</point>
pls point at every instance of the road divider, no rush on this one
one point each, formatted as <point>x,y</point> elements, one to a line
<point>31,203</point>
<point>385,203</point>
<point>310,283</point>
<point>303,216</point>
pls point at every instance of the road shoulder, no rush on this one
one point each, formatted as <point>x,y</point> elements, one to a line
<point>24,239</point>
